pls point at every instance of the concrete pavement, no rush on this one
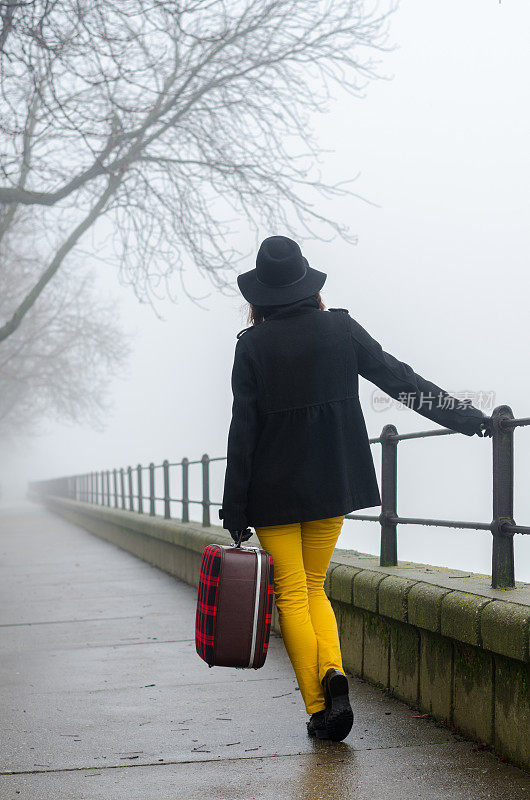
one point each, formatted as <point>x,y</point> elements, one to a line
<point>103,696</point>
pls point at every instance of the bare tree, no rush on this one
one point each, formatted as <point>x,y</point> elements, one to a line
<point>58,361</point>
<point>183,121</point>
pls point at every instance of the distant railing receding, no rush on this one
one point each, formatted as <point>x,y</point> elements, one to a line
<point>124,488</point>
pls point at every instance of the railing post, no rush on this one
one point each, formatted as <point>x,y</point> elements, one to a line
<point>205,460</point>
<point>140,490</point>
<point>167,504</point>
<point>115,476</point>
<point>92,488</point>
<point>151,489</point>
<point>122,488</point>
<point>185,491</point>
<point>131,493</point>
<point>502,564</point>
<point>108,487</point>
<point>388,554</point>
<point>96,481</point>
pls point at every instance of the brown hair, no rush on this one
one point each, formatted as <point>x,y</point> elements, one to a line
<point>256,314</point>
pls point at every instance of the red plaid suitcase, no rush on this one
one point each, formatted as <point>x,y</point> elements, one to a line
<point>234,606</point>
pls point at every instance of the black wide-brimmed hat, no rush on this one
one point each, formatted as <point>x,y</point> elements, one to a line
<point>282,274</point>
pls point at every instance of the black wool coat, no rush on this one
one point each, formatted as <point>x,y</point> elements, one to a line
<point>298,446</point>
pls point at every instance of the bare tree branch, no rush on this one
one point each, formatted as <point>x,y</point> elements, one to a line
<point>59,360</point>
<point>204,110</point>
<point>6,18</point>
<point>12,324</point>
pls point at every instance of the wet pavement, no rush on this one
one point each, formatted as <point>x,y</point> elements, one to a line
<point>102,696</point>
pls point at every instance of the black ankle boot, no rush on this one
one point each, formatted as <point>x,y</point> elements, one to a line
<point>339,714</point>
<point>316,726</point>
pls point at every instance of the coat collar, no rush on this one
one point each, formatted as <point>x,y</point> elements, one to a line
<point>300,306</point>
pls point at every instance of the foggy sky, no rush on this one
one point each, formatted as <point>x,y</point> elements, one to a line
<point>439,276</point>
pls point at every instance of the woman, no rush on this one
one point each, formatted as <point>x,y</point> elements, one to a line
<point>298,457</point>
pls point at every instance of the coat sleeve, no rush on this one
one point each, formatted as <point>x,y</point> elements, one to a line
<point>242,439</point>
<point>400,381</point>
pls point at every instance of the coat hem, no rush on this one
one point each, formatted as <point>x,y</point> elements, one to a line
<point>290,518</point>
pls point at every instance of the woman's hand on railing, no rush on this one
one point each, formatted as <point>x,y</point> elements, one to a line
<point>485,428</point>
<point>485,425</point>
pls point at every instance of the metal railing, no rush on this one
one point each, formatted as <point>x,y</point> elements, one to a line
<point>123,488</point>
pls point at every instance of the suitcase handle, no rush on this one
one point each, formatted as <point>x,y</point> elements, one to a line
<point>238,543</point>
<point>240,538</point>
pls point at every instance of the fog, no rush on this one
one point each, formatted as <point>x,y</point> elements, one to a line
<point>439,276</point>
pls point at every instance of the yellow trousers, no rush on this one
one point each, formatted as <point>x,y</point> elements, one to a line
<point>301,553</point>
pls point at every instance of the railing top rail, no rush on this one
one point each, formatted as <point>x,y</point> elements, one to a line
<point>395,437</point>
<point>515,423</point>
<point>442,523</point>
